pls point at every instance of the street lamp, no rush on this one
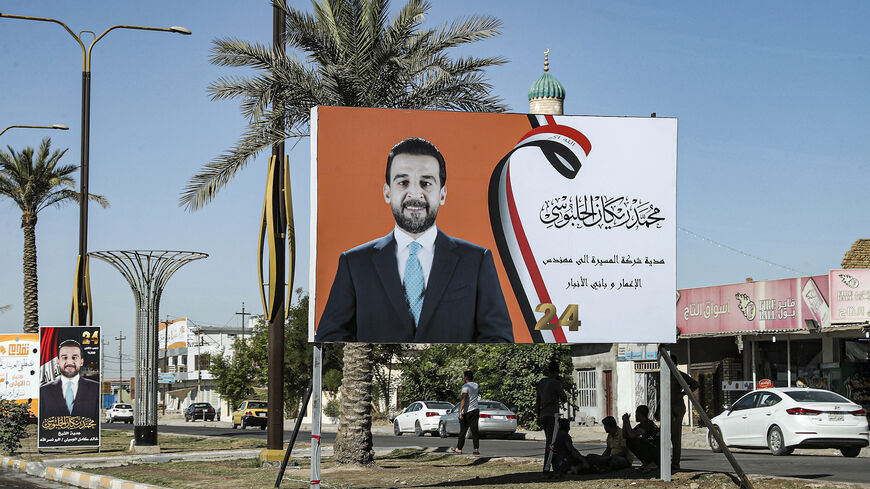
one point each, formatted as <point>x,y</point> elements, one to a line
<point>80,310</point>
<point>53,126</point>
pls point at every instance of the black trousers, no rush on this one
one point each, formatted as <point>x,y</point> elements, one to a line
<point>644,450</point>
<point>548,424</point>
<point>466,422</point>
<point>678,411</point>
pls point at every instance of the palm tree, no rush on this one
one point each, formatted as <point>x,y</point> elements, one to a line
<point>345,53</point>
<point>34,185</point>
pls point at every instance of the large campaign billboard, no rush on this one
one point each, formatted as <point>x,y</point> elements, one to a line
<point>19,368</point>
<point>69,397</point>
<point>453,227</point>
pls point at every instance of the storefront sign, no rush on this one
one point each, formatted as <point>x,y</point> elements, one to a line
<point>19,368</point>
<point>765,384</point>
<point>850,296</point>
<point>768,305</point>
<point>737,385</point>
<point>551,229</point>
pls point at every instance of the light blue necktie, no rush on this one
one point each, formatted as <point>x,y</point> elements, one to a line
<point>414,283</point>
<point>69,397</point>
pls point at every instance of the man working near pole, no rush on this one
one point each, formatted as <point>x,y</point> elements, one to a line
<point>550,395</point>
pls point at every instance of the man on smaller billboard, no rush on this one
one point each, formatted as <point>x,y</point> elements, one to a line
<point>416,284</point>
<point>70,394</point>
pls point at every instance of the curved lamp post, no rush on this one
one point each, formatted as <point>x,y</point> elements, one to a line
<point>80,310</point>
<point>53,126</point>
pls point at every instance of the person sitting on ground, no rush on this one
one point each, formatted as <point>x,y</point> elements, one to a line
<point>643,439</point>
<point>566,458</point>
<point>617,455</point>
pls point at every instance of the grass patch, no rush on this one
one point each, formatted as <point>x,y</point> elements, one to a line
<point>411,469</point>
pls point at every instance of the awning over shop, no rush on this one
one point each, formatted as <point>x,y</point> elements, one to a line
<point>767,306</point>
<point>181,393</point>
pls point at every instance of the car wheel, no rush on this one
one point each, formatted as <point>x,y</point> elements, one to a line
<point>850,451</point>
<point>235,425</point>
<point>714,444</point>
<point>186,418</point>
<point>396,430</point>
<point>442,430</point>
<point>243,425</point>
<point>776,442</point>
<point>262,427</point>
<point>417,429</point>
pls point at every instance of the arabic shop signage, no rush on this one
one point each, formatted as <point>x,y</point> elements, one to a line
<point>850,295</point>
<point>768,305</point>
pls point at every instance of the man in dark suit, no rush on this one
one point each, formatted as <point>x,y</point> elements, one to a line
<point>416,284</point>
<point>70,389</point>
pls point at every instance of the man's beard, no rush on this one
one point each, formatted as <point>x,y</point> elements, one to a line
<point>414,224</point>
<point>63,372</point>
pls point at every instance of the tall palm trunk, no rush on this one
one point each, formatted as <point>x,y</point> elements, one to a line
<point>353,444</point>
<point>31,294</point>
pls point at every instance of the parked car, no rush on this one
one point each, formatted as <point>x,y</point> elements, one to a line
<point>119,411</point>
<point>250,413</point>
<point>782,419</point>
<point>421,417</point>
<point>201,410</point>
<point>495,419</point>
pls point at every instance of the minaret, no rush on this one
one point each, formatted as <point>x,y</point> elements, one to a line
<point>546,95</point>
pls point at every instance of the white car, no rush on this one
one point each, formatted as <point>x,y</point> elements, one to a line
<point>420,417</point>
<point>119,411</point>
<point>782,419</point>
<point>495,419</point>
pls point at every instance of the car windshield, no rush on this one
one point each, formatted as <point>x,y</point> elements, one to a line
<point>123,406</point>
<point>438,405</point>
<point>815,396</point>
<point>492,405</point>
<point>257,405</point>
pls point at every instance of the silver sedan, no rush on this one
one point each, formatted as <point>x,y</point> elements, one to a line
<point>495,419</point>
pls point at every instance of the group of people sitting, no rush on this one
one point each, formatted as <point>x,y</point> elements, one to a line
<point>623,445</point>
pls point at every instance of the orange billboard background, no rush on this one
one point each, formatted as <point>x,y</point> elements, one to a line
<point>351,152</point>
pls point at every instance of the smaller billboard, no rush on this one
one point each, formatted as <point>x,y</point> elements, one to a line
<point>69,397</point>
<point>850,296</point>
<point>19,368</point>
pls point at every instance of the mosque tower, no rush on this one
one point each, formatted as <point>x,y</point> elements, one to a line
<point>546,96</point>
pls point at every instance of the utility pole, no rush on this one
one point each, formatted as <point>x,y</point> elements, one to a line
<point>120,339</point>
<point>243,314</point>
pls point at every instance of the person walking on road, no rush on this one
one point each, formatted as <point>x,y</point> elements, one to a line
<point>549,396</point>
<point>468,413</point>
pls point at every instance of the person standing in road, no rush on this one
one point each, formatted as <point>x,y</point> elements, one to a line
<point>468,413</point>
<point>549,396</point>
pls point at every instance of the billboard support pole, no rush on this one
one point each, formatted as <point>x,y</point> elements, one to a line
<point>665,415</point>
<point>667,365</point>
<point>316,394</point>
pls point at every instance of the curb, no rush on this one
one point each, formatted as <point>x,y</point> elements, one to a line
<point>71,477</point>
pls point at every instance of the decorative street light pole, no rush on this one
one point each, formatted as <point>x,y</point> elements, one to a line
<point>53,126</point>
<point>80,310</point>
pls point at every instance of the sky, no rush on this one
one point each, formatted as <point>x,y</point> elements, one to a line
<point>771,100</point>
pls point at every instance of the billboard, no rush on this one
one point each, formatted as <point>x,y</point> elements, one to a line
<point>19,368</point>
<point>557,229</point>
<point>754,307</point>
<point>172,333</point>
<point>850,296</point>
<point>69,395</point>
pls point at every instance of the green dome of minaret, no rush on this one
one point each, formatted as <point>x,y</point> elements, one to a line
<point>546,86</point>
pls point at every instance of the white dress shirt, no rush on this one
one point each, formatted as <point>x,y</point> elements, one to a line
<point>425,254</point>
<point>75,385</point>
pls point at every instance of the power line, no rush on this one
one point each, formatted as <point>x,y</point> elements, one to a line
<point>740,252</point>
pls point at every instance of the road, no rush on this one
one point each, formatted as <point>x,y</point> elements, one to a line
<point>832,468</point>
<point>17,480</point>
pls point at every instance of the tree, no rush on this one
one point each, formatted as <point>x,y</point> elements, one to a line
<point>347,53</point>
<point>34,185</point>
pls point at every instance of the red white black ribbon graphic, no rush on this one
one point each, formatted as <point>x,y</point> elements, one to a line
<point>563,149</point>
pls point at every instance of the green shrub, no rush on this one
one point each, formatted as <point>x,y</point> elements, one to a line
<point>332,408</point>
<point>13,424</point>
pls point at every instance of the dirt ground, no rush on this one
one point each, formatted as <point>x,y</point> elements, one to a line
<point>410,469</point>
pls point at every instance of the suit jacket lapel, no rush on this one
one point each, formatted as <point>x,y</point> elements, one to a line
<point>385,264</point>
<point>443,265</point>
